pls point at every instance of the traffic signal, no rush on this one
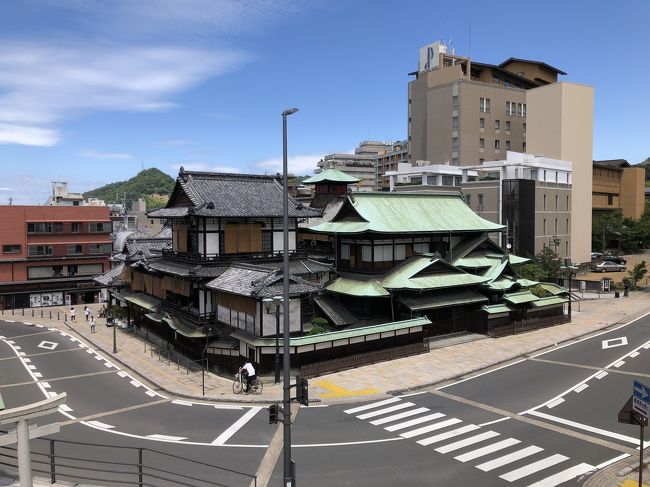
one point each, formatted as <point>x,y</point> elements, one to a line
<point>302,390</point>
<point>274,413</point>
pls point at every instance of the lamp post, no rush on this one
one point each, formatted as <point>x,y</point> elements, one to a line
<point>570,270</point>
<point>288,474</point>
<point>272,305</point>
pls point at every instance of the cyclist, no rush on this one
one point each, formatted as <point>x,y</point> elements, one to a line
<point>249,372</point>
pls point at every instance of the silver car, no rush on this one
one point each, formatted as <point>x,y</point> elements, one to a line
<point>609,266</point>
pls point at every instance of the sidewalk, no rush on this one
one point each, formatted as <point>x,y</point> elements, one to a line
<point>364,383</point>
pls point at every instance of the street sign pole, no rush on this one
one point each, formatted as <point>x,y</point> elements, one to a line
<point>641,452</point>
<point>641,411</point>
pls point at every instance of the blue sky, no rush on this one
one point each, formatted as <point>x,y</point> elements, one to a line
<point>91,90</point>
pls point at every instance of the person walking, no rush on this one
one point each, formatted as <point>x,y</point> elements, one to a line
<point>86,312</point>
<point>73,314</point>
<point>92,324</point>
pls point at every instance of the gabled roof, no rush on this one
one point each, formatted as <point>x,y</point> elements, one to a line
<point>612,163</point>
<point>229,195</point>
<point>112,277</point>
<point>423,272</point>
<point>331,175</point>
<point>439,212</point>
<point>540,63</point>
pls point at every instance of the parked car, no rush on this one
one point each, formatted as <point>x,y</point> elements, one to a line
<point>597,255</point>
<point>609,266</point>
<point>616,259</point>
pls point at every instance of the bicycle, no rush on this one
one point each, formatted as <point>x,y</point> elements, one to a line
<point>238,385</point>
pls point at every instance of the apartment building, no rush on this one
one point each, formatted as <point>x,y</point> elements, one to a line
<point>465,112</point>
<point>390,160</point>
<point>617,185</point>
<point>51,253</point>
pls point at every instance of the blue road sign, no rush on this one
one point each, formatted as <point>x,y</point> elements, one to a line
<point>641,399</point>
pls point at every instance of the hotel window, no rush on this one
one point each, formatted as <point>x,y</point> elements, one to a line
<point>454,123</point>
<point>58,227</point>
<point>544,227</point>
<point>73,270</point>
<point>39,250</point>
<point>11,249</point>
<point>481,143</point>
<point>567,203</point>
<point>497,124</point>
<point>497,144</point>
<point>454,103</point>
<point>557,198</point>
<point>485,105</point>
<point>523,146</point>
<point>507,145</point>
<point>481,123</point>
<point>544,203</point>
<point>524,128</point>
<point>454,144</point>
<point>97,227</point>
<point>519,109</point>
<point>447,180</point>
<point>43,227</point>
<point>556,226</point>
<point>76,227</point>
<point>76,249</point>
<point>523,111</point>
<point>99,248</point>
<point>480,202</point>
<point>510,108</point>
<point>508,125</point>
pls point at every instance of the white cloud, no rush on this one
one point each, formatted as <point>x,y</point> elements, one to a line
<point>106,155</point>
<point>300,165</point>
<point>25,135</point>
<point>5,189</point>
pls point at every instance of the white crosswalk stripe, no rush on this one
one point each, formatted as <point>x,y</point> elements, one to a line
<point>467,442</point>
<point>372,405</point>
<point>447,435</point>
<point>395,417</point>
<point>522,472</point>
<point>564,476</point>
<point>413,422</point>
<point>511,457</point>
<point>432,427</point>
<point>486,450</point>
<point>387,410</point>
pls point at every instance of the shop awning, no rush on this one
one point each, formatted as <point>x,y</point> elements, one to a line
<point>520,297</point>
<point>144,301</point>
<point>497,309</point>
<point>177,325</point>
<point>442,300</point>
<point>551,301</point>
<point>155,317</point>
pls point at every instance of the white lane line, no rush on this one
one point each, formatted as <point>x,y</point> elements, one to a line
<point>612,460</point>
<point>10,321</point>
<point>226,406</point>
<point>564,476</point>
<point>413,422</point>
<point>27,360</point>
<point>430,428</point>
<point>646,346</point>
<point>634,354</point>
<point>534,467</point>
<point>32,367</point>
<point>81,345</point>
<point>181,403</point>
<point>601,375</point>
<point>39,326</point>
<point>482,373</point>
<point>63,334</point>
<point>88,350</point>
<point>372,405</point>
<point>166,438</point>
<point>46,385</point>
<point>467,442</point>
<point>312,406</point>
<point>51,393</point>
<point>65,407</point>
<point>108,365</point>
<point>150,393</point>
<point>619,364</point>
<point>551,405</point>
<point>591,429</point>
<point>581,388</point>
<point>449,434</point>
<point>395,417</point>
<point>236,426</point>
<point>22,354</point>
<point>387,410</point>
<point>509,458</point>
<point>486,450</point>
<point>121,374</point>
<point>412,394</point>
<point>99,424</point>
<point>505,418</point>
<point>11,342</point>
<point>135,383</point>
<point>17,347</point>
<point>99,357</point>
<point>38,375</point>
<point>312,445</point>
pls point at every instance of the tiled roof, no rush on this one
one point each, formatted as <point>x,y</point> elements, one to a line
<point>110,278</point>
<point>329,212</point>
<point>183,270</point>
<point>146,248</point>
<point>231,195</point>
<point>299,267</point>
<point>337,313</point>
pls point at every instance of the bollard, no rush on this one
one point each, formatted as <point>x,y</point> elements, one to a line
<point>41,313</point>
<point>57,316</point>
<point>50,314</point>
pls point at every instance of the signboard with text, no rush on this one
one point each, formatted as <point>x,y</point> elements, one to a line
<point>641,399</point>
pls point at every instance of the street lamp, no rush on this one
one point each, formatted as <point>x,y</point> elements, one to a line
<point>272,305</point>
<point>571,272</point>
<point>288,474</point>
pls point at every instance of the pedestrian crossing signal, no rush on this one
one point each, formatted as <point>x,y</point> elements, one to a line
<point>274,413</point>
<point>302,390</point>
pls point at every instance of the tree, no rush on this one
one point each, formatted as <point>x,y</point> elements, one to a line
<point>637,273</point>
<point>543,267</point>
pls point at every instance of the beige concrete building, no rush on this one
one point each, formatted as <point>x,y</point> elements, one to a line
<point>560,126</point>
<point>389,160</point>
<point>618,186</point>
<point>465,112</point>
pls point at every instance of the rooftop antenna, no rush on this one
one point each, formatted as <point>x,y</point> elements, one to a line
<point>11,200</point>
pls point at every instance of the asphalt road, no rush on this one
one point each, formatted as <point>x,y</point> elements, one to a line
<point>540,421</point>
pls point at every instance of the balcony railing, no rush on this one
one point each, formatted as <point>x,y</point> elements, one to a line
<point>188,312</point>
<point>227,258</point>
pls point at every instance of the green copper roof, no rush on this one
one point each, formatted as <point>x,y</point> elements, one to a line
<point>438,212</point>
<point>520,297</point>
<point>332,175</point>
<point>355,287</point>
<point>496,309</point>
<point>442,300</point>
<point>413,275</point>
<point>551,300</point>
<point>367,331</point>
<point>553,288</point>
<point>515,259</point>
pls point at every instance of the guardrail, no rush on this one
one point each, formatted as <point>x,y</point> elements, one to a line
<point>70,461</point>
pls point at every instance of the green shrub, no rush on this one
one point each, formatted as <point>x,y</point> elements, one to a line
<point>319,322</point>
<point>538,291</point>
<point>316,330</point>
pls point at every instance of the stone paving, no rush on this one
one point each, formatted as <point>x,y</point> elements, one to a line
<point>363,383</point>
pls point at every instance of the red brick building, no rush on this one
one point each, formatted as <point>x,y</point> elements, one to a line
<point>49,254</point>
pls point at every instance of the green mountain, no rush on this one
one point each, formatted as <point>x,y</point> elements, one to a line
<point>646,165</point>
<point>153,185</point>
